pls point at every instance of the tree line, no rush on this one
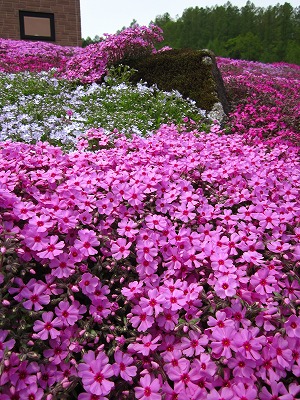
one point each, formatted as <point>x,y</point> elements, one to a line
<point>252,33</point>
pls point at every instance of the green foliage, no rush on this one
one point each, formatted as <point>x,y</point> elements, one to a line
<point>118,74</point>
<point>244,46</point>
<point>37,106</point>
<point>183,70</point>
<point>254,33</point>
<point>12,86</point>
<point>87,41</point>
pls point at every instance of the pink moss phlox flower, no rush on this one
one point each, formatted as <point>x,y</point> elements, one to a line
<point>24,210</point>
<point>253,257</point>
<point>205,366</point>
<point>292,326</point>
<point>173,360</point>
<point>141,318</point>
<point>62,266</point>
<point>268,219</point>
<point>225,287</point>
<point>100,308</point>
<point>68,313</point>
<point>95,372</point>
<point>248,343</point>
<point>269,367</point>
<point>21,286</point>
<point>127,227</point>
<point>86,242</point>
<point>53,249</point>
<point>221,320</point>
<point>223,341</point>
<point>149,388</point>
<point>145,344</point>
<point>185,376</point>
<point>65,372</point>
<point>223,394</point>
<point>237,313</point>
<point>120,249</point>
<point>293,391</point>
<point>134,290</point>
<point>91,396</point>
<point>41,223</point>
<point>167,320</point>
<point>185,212</point>
<point>8,344</point>
<point>35,240</point>
<point>171,394</point>
<point>123,366</point>
<point>173,300</point>
<point>156,221</point>
<point>193,344</point>
<point>47,327</point>
<point>47,375</point>
<point>151,302</point>
<point>36,298</point>
<point>58,351</point>
<point>146,250</point>
<point>11,365</point>
<point>242,367</point>
<point>25,375</point>
<point>66,220</point>
<point>263,281</point>
<point>291,289</point>
<point>220,259</point>
<point>32,392</point>
<point>277,389</point>
<point>244,391</point>
<point>280,350</point>
<point>88,283</point>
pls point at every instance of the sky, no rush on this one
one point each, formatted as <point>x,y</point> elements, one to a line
<point>109,16</point>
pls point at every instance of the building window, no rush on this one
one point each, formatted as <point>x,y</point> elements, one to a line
<point>37,26</point>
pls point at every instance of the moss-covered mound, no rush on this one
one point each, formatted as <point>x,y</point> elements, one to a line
<point>193,73</point>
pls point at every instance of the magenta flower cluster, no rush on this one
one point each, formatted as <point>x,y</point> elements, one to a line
<point>154,268</point>
<point>90,64</point>
<point>21,55</point>
<point>266,100</point>
<point>74,63</point>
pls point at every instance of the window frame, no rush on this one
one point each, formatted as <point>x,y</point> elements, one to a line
<point>33,14</point>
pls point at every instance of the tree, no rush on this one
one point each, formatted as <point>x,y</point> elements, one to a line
<point>255,33</point>
<point>245,46</point>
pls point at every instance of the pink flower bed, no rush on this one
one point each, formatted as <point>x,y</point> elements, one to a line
<point>90,64</point>
<point>155,268</point>
<point>266,100</point>
<point>20,55</point>
<point>75,63</point>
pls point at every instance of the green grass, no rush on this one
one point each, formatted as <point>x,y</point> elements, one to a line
<point>34,107</point>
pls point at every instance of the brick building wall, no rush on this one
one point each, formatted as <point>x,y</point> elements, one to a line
<point>66,14</point>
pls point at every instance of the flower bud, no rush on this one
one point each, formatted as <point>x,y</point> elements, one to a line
<point>83,268</point>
